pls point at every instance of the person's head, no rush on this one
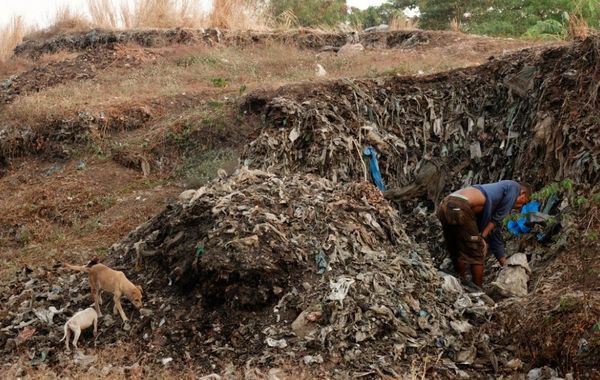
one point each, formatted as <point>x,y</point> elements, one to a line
<point>523,195</point>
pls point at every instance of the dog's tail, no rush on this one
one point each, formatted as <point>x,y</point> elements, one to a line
<point>79,268</point>
<point>66,331</point>
<point>83,268</point>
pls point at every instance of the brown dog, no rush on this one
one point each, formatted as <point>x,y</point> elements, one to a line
<point>102,278</point>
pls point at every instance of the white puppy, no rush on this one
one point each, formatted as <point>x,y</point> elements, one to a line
<point>80,321</point>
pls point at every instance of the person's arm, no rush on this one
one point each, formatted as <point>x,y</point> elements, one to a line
<point>487,230</point>
<point>496,246</point>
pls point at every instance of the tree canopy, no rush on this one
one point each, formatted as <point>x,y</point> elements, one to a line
<point>494,17</point>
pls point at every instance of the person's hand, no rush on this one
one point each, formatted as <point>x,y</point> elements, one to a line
<point>485,246</point>
<point>502,261</point>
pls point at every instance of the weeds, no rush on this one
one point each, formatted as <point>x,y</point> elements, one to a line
<point>200,169</point>
<point>551,189</point>
<point>10,36</point>
<point>219,82</point>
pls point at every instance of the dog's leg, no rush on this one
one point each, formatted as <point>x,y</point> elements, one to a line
<point>77,331</point>
<point>118,306</point>
<point>67,336</point>
<point>95,326</point>
<point>97,299</point>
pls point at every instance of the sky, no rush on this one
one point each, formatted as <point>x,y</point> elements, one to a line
<point>41,11</point>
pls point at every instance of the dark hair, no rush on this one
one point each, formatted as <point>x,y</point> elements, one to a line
<point>526,188</point>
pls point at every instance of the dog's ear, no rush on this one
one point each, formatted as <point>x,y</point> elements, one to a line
<point>140,288</point>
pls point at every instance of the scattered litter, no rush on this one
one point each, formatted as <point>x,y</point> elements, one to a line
<point>321,261</point>
<point>351,49</point>
<point>467,356</point>
<point>461,326</point>
<point>371,154</point>
<point>25,335</point>
<point>340,288</point>
<point>544,373</point>
<point>309,359</point>
<point>512,279</point>
<point>304,324</point>
<point>514,364</point>
<point>279,343</point>
<point>47,316</point>
<point>146,312</point>
<point>212,376</point>
<point>83,360</point>
<point>320,71</point>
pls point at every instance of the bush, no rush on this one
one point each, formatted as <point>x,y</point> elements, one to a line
<point>546,29</point>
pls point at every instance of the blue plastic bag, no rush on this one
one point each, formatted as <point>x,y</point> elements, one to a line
<point>519,226</point>
<point>374,167</point>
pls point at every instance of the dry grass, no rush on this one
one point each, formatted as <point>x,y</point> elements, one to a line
<point>238,15</point>
<point>10,36</point>
<point>66,20</point>
<point>105,13</point>
<point>227,70</point>
<point>402,23</point>
<point>455,25</point>
<point>162,14</point>
<point>225,14</point>
<point>577,27</point>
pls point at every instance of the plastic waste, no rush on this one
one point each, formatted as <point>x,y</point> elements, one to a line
<point>340,288</point>
<point>374,167</point>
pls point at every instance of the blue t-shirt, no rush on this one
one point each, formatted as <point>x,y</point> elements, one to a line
<point>500,198</point>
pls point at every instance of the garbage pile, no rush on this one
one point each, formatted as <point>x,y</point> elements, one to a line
<point>298,268</point>
<point>35,304</point>
<point>264,270</point>
<point>528,115</point>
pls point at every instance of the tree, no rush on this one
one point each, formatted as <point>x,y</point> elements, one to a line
<point>312,12</point>
<point>502,17</point>
<point>374,16</point>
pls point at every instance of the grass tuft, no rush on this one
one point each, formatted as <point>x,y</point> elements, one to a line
<point>10,36</point>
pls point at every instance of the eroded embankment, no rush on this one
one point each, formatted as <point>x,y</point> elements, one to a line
<point>305,39</point>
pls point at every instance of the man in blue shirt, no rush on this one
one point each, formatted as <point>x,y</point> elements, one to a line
<point>471,219</point>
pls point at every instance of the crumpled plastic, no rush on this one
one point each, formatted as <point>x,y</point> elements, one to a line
<point>340,288</point>
<point>512,279</point>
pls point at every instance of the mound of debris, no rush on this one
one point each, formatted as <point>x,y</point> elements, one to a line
<point>299,268</point>
<point>265,270</point>
<point>531,115</point>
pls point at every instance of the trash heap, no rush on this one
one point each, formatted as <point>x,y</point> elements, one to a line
<point>531,114</point>
<point>296,268</point>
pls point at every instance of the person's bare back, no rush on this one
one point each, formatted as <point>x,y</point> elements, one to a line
<point>475,198</point>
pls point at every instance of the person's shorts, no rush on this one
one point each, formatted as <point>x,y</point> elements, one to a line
<point>461,233</point>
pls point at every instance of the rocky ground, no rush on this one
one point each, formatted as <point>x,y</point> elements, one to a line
<point>284,260</point>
